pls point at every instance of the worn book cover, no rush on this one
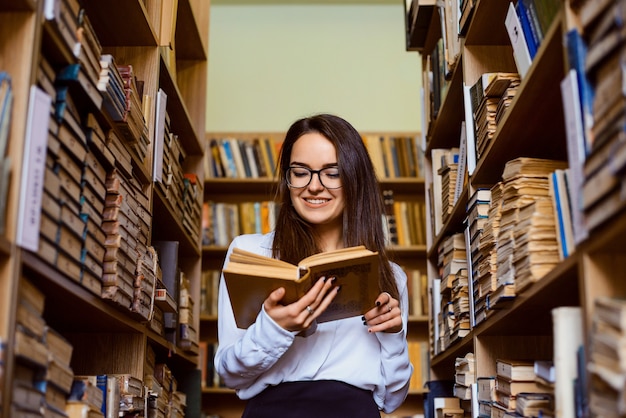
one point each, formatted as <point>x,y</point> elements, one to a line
<point>250,278</point>
<point>515,369</point>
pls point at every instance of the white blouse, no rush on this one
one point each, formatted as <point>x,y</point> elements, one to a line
<point>249,360</point>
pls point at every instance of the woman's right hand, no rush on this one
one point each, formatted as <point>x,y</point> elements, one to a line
<point>299,315</point>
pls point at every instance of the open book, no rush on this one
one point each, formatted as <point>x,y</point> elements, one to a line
<point>250,278</point>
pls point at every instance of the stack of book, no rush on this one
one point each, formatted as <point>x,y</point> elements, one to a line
<point>167,383</point>
<point>73,195</point>
<point>157,404</point>
<point>31,353</point>
<point>454,304</point>
<point>527,228</point>
<point>126,237</point>
<point>507,98</point>
<point>131,394</point>
<point>464,376</point>
<point>193,196</point>
<point>62,21</point>
<point>486,95</point>
<point>111,84</point>
<point>88,48</point>
<point>486,394</point>
<point>145,285</point>
<point>535,237</point>
<point>448,173</point>
<point>188,335</point>
<point>460,305</point>
<point>449,407</point>
<point>606,357</point>
<point>97,161</point>
<point>133,124</point>
<point>605,166</point>
<point>513,378</point>
<point>484,277</point>
<point>59,375</point>
<point>86,398</point>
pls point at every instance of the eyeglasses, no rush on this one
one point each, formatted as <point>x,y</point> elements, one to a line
<point>300,177</point>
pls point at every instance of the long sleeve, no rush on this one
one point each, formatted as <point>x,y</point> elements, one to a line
<point>396,367</point>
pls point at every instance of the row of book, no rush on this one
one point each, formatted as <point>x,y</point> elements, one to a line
<point>230,157</point>
<point>44,381</point>
<point>528,21</point>
<point>209,376</point>
<point>405,221</point>
<point>395,156</point>
<point>223,221</point>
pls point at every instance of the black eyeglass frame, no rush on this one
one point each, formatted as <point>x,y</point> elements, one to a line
<point>311,172</point>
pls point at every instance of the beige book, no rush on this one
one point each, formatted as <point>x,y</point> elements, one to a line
<point>250,278</point>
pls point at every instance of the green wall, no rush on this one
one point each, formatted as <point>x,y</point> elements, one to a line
<point>273,62</point>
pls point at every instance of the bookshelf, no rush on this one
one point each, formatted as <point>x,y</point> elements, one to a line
<point>80,145</point>
<point>236,190</point>
<point>536,123</point>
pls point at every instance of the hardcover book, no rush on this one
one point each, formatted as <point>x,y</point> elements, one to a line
<point>250,278</point>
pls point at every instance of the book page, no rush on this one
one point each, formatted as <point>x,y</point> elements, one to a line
<point>359,286</point>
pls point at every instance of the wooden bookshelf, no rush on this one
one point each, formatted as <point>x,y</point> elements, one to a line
<point>106,337</point>
<point>534,125</point>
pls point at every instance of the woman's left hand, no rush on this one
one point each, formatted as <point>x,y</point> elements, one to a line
<point>386,316</point>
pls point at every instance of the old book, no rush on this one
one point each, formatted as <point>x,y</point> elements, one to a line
<point>167,252</point>
<point>515,387</point>
<point>515,369</point>
<point>250,278</point>
<point>58,347</point>
<point>85,390</point>
<point>535,404</point>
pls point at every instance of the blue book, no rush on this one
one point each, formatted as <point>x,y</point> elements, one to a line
<point>576,55</point>
<point>230,160</point>
<point>524,18</point>
<point>560,224</point>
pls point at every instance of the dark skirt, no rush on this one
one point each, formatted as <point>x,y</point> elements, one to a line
<point>312,399</point>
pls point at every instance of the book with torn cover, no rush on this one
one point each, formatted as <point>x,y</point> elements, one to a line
<point>250,278</point>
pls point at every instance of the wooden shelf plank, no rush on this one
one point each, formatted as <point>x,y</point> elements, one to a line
<point>110,19</point>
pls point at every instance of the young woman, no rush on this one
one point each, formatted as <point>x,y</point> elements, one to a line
<point>285,364</point>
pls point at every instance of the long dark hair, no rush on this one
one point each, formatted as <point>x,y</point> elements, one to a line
<point>364,207</point>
